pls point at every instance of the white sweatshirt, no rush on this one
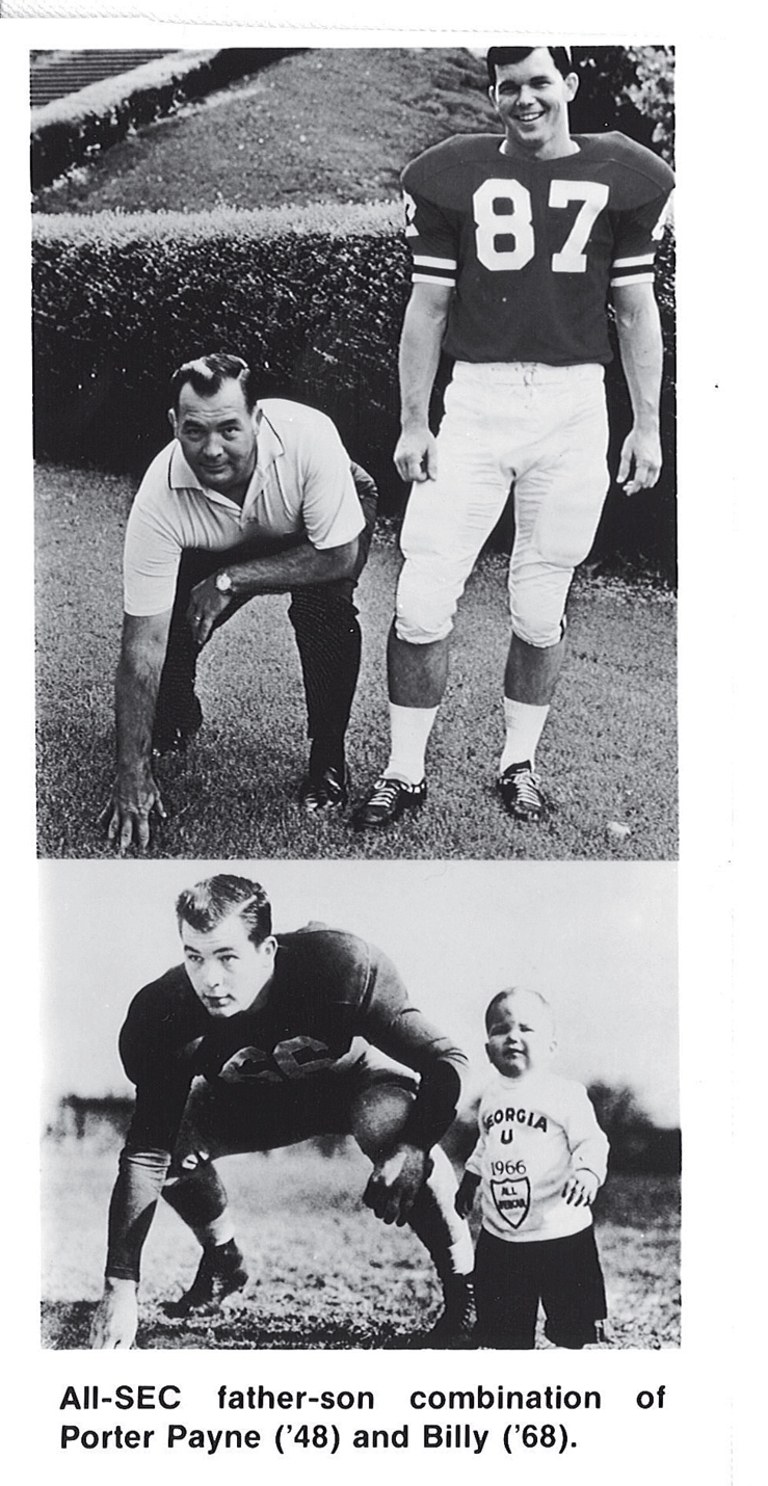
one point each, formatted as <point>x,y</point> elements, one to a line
<point>535,1132</point>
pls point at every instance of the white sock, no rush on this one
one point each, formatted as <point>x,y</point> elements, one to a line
<point>524,728</point>
<point>411,727</point>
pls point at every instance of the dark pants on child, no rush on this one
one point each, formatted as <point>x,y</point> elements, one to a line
<point>511,1278</point>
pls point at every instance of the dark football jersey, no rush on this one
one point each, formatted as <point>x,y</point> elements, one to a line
<point>532,247</point>
<point>328,990</point>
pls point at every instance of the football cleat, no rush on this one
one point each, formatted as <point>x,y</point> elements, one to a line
<point>174,737</point>
<point>326,791</point>
<point>520,792</point>
<point>387,801</point>
<point>454,1327</point>
<point>221,1272</point>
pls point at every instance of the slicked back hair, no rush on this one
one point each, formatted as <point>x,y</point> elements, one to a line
<point>508,56</point>
<point>206,374</point>
<point>205,905</point>
<point>515,991</point>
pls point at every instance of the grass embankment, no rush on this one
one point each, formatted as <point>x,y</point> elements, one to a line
<point>329,125</point>
<point>608,753</point>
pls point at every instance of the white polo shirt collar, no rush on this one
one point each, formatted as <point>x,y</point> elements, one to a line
<point>269,448</point>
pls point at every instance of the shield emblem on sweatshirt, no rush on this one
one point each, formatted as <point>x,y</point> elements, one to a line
<point>513,1199</point>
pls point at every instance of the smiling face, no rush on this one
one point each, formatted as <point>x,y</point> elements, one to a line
<point>521,1034</point>
<point>226,969</point>
<point>531,98</point>
<point>217,436</point>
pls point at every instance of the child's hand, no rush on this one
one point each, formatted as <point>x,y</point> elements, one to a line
<point>581,1189</point>
<point>465,1196</point>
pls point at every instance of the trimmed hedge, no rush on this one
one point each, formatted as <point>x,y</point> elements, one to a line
<point>313,297</point>
<point>67,131</point>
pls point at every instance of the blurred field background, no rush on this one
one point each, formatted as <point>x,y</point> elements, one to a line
<point>343,1280</point>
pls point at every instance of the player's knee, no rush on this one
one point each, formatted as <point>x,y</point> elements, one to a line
<point>537,608</point>
<point>540,631</point>
<point>424,610</point>
<point>379,1117</point>
<point>421,634</point>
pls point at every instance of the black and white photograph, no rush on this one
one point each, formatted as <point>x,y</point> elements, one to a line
<point>384,1023</point>
<point>292,310</point>
<point>355,1082</point>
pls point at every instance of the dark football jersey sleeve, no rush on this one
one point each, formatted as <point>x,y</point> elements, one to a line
<point>163,1029</point>
<point>531,248</point>
<point>390,1022</point>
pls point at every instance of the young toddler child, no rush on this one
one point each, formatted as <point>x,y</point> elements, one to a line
<point>539,1162</point>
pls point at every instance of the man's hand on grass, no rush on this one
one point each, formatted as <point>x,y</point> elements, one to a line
<point>134,806</point>
<point>116,1316</point>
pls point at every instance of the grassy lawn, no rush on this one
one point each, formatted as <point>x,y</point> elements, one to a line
<point>608,754</point>
<point>344,1280</point>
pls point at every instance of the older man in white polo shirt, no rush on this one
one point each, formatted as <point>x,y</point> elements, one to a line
<point>250,497</point>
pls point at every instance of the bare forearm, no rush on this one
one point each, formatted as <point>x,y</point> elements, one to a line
<point>420,344</point>
<point>136,687</point>
<point>296,567</point>
<point>641,351</point>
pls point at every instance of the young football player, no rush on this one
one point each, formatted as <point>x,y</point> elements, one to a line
<point>518,242</point>
<point>539,1161</point>
<point>260,1040</point>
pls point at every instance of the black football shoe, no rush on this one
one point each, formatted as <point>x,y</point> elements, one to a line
<point>174,735</point>
<point>387,801</point>
<point>455,1326</point>
<point>221,1272</point>
<point>520,792</point>
<point>325,792</point>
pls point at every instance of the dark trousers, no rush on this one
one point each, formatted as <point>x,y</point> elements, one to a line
<point>325,623</point>
<point>511,1278</point>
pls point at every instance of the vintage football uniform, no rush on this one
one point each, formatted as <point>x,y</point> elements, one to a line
<point>275,1073</point>
<point>532,246</point>
<point>535,1131</point>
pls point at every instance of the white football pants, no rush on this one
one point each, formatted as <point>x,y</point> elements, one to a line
<point>540,430</point>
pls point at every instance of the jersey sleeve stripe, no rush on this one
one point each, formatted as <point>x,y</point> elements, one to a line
<point>643,258</point>
<point>632,278</point>
<point>448,264</point>
<point>433,276</point>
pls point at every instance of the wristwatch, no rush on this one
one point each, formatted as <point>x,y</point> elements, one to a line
<point>224,581</point>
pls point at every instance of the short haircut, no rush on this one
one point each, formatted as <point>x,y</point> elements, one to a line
<point>514,991</point>
<point>205,374</point>
<point>507,56</point>
<point>207,903</point>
